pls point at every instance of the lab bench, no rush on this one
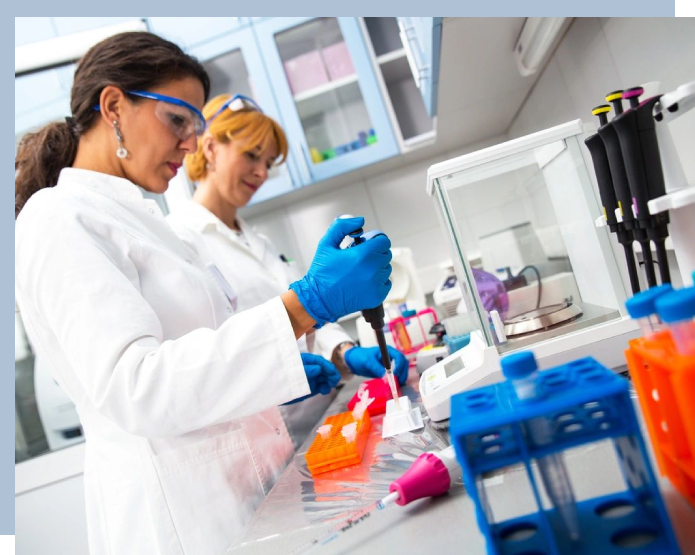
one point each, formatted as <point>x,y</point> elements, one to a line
<point>300,508</point>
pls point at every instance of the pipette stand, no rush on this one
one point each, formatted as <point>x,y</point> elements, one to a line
<point>584,403</point>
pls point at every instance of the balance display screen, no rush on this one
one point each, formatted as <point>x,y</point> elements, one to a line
<point>453,366</point>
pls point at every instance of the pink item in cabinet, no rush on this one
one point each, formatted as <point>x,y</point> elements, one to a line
<point>305,72</point>
<point>337,60</point>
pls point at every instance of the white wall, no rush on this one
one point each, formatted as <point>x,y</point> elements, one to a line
<point>394,201</point>
<point>598,56</point>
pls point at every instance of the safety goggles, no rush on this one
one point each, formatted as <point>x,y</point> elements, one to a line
<point>236,103</point>
<point>182,119</point>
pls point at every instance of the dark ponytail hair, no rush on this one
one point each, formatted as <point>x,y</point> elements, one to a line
<point>129,61</point>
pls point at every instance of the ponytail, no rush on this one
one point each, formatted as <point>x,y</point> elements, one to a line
<point>40,158</point>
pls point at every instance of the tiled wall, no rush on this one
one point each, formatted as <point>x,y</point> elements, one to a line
<point>601,55</point>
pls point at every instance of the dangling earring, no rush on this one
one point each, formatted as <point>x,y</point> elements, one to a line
<point>121,152</point>
<point>210,166</point>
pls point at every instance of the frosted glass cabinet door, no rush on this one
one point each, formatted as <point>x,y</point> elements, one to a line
<point>327,93</point>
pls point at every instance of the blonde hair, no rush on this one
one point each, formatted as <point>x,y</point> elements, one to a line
<point>251,128</point>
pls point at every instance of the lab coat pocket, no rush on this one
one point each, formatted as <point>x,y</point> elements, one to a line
<point>210,486</point>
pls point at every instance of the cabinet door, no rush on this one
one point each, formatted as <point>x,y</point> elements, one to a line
<point>327,92</point>
<point>422,37</point>
<point>235,66</point>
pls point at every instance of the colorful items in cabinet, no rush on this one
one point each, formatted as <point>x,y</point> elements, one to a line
<point>574,404</point>
<point>336,451</point>
<point>371,138</point>
<point>305,72</point>
<point>316,156</point>
<point>337,61</point>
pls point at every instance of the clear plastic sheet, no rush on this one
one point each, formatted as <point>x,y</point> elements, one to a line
<point>299,502</point>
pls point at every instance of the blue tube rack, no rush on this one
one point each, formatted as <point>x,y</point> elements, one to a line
<point>585,402</point>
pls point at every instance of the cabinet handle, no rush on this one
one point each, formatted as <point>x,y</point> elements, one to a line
<point>288,175</point>
<point>304,159</point>
<point>415,68</point>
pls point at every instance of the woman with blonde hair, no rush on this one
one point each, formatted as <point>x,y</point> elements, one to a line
<point>240,146</point>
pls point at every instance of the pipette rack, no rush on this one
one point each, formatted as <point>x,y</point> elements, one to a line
<point>335,452</point>
<point>585,403</point>
<point>665,384</point>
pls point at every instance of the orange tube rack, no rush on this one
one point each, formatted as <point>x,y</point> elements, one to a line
<point>665,384</point>
<point>335,452</point>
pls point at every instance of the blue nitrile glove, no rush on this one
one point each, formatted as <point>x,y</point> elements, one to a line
<point>343,281</point>
<point>321,374</point>
<point>366,361</point>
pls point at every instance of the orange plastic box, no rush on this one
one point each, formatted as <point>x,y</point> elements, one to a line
<point>335,452</point>
<point>665,384</point>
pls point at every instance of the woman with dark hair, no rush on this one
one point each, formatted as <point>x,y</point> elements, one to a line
<point>177,397</point>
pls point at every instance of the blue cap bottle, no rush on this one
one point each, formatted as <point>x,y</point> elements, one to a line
<point>677,309</point>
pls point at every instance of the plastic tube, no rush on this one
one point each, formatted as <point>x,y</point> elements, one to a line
<point>677,310</point>
<point>642,308</point>
<point>521,370</point>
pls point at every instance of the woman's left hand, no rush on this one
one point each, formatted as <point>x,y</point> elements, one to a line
<point>366,361</point>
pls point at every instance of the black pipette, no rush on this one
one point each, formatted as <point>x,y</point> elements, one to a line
<point>607,192</point>
<point>374,316</point>
<point>636,131</point>
<point>621,185</point>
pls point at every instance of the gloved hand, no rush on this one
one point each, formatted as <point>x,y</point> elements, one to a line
<point>321,374</point>
<point>366,361</point>
<point>342,281</point>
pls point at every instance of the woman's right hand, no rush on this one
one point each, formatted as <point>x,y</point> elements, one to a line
<point>343,281</point>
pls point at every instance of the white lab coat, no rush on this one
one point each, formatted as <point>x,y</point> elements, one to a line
<point>176,398</point>
<point>256,273</point>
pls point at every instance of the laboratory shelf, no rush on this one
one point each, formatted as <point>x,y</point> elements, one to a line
<point>326,88</point>
<point>391,56</point>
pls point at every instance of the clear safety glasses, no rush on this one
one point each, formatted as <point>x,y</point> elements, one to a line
<point>236,103</point>
<point>182,119</point>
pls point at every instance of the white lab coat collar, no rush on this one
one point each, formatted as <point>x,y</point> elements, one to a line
<point>117,188</point>
<point>200,219</point>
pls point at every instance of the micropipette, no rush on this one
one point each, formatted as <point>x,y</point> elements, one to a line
<point>606,187</point>
<point>375,318</point>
